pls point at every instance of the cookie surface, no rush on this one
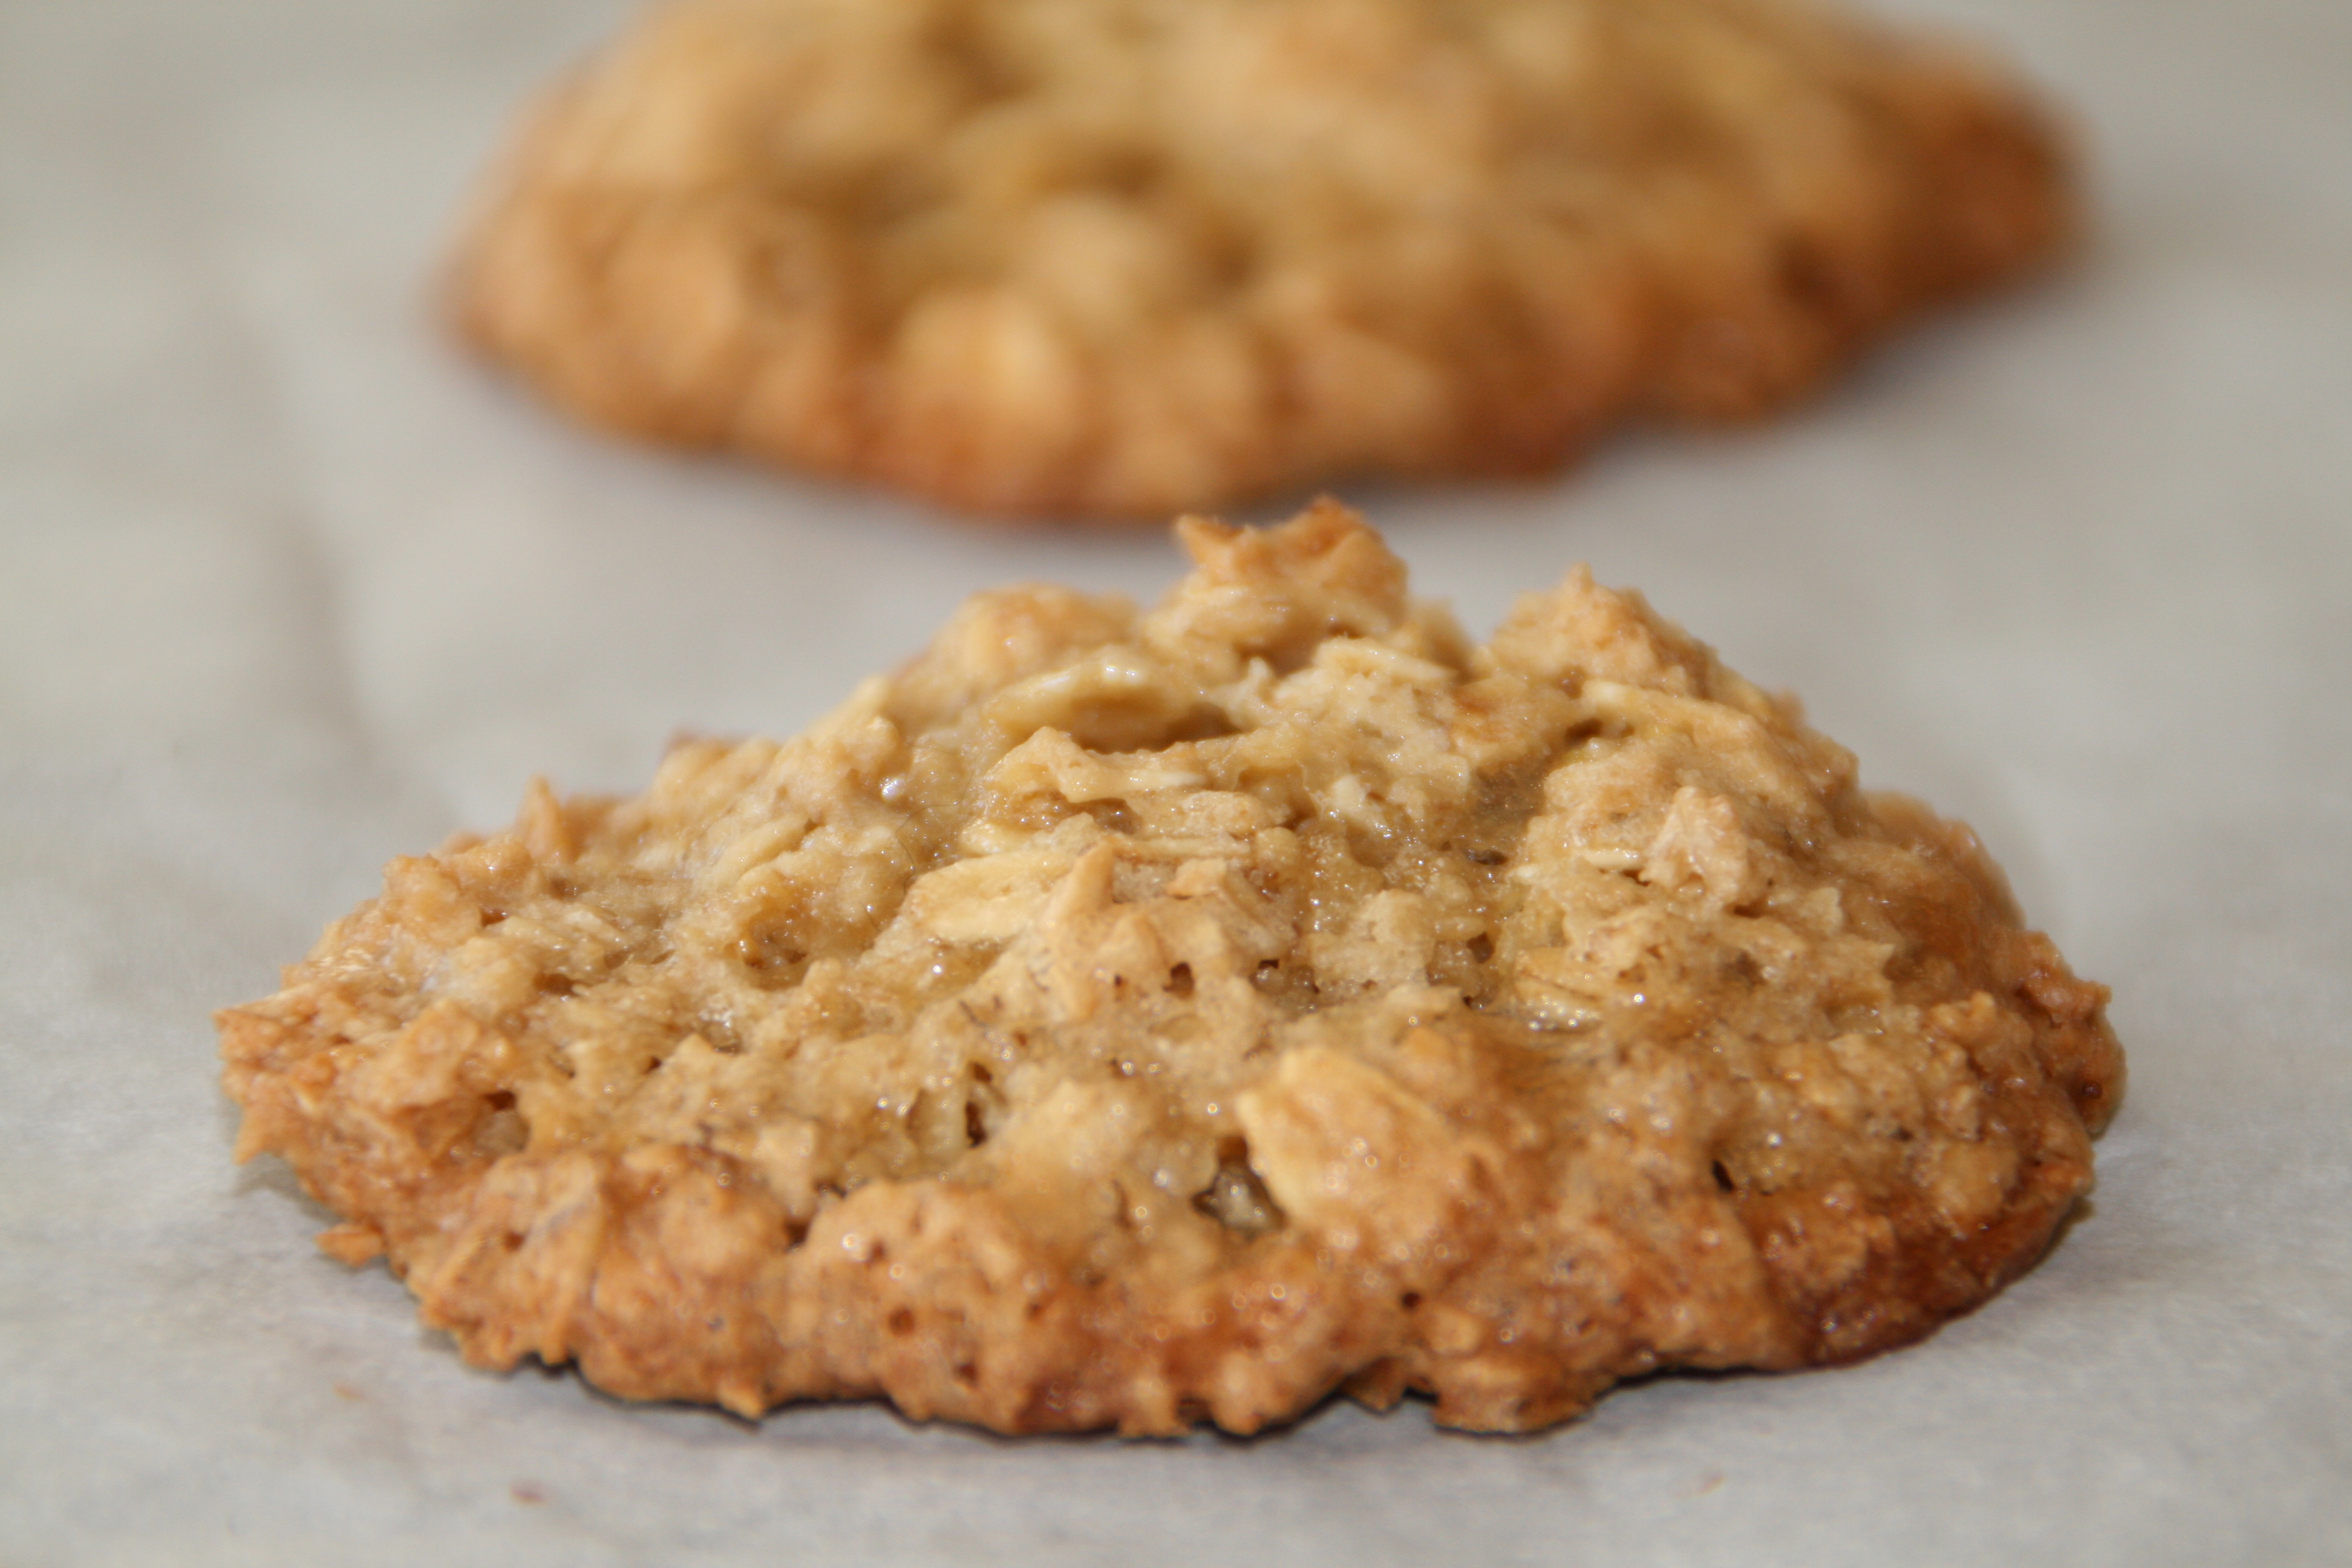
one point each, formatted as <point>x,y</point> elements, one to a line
<point>1118,1020</point>
<point>1134,256</point>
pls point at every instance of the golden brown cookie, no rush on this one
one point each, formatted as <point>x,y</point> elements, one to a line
<point>1118,1020</point>
<point>1130,257</point>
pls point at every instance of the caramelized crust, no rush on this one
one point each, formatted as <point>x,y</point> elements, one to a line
<point>1118,1020</point>
<point>1115,257</point>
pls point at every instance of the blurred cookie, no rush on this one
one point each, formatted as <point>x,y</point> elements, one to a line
<point>1130,257</point>
<point>1135,1021</point>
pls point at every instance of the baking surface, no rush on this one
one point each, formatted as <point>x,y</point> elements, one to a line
<point>287,586</point>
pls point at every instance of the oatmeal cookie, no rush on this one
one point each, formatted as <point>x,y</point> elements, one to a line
<point>1136,1020</point>
<point>1130,257</point>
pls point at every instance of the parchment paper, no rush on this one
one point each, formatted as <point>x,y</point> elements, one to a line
<point>287,586</point>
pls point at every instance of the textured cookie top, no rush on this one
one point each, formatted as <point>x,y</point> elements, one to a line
<point>1132,1020</point>
<point>1135,256</point>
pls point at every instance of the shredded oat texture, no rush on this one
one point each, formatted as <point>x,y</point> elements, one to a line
<point>1120,1020</point>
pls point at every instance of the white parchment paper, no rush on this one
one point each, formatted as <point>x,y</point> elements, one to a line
<point>287,586</point>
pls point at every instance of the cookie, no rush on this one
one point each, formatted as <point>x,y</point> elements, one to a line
<point>1132,1021</point>
<point>1125,258</point>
